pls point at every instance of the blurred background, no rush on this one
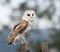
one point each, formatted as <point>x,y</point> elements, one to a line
<point>47,27</point>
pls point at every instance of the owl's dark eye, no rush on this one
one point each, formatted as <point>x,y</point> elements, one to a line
<point>32,14</point>
<point>28,14</point>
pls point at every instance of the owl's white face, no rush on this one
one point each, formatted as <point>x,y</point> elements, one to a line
<point>29,15</point>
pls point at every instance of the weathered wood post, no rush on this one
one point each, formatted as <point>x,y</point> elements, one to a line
<point>44,46</point>
<point>24,48</point>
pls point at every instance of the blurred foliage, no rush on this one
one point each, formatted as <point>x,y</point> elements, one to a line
<point>23,6</point>
<point>37,47</point>
<point>8,1</point>
<point>56,39</point>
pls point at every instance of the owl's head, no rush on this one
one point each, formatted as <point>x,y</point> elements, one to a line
<point>29,15</point>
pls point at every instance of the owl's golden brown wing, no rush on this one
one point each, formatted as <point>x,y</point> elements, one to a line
<point>18,28</point>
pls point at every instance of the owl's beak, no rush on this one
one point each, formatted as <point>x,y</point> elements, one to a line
<point>30,17</point>
<point>31,20</point>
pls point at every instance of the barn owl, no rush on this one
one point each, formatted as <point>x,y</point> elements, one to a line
<point>22,27</point>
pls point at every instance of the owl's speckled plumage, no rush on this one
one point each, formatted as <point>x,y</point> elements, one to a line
<point>22,27</point>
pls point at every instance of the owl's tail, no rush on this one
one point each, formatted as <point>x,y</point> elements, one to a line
<point>12,37</point>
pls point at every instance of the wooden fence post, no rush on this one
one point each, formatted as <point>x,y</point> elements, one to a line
<point>44,46</point>
<point>24,48</point>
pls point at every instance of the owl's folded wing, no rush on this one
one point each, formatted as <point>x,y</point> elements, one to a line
<point>18,28</point>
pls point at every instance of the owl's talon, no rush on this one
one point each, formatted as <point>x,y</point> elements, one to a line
<point>14,43</point>
<point>26,43</point>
